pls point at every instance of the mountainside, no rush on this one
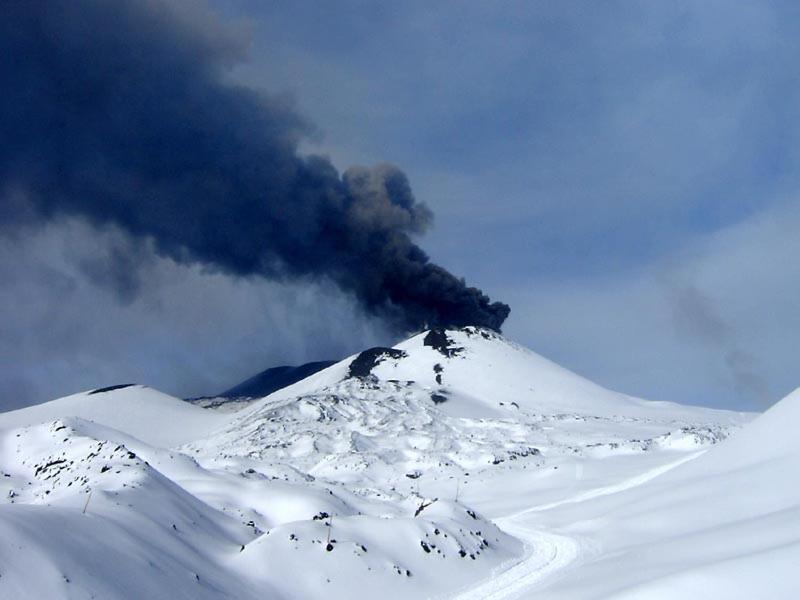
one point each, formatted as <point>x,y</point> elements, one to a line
<point>724,525</point>
<point>456,463</point>
<point>138,410</point>
<point>276,378</point>
<point>490,374</point>
<point>262,384</point>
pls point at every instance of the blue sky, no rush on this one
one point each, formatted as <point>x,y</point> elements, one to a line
<point>623,174</point>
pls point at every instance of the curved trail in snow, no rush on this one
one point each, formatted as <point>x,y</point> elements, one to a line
<point>547,553</point>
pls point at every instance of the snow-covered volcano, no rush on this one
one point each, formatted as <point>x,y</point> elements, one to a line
<point>455,463</point>
<point>487,373</point>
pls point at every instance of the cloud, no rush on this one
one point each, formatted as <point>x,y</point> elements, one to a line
<point>125,115</point>
<point>557,140</point>
<point>714,324</point>
<point>188,331</point>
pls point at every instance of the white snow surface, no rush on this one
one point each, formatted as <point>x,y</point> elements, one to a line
<point>138,410</point>
<point>455,465</point>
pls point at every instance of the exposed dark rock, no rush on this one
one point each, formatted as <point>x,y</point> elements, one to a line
<point>438,398</point>
<point>111,388</point>
<point>42,468</point>
<point>438,340</point>
<point>363,364</point>
<point>423,505</point>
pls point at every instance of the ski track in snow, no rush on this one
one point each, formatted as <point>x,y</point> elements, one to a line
<point>547,554</point>
<point>617,487</point>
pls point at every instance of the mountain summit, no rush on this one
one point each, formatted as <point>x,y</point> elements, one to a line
<point>454,463</point>
<point>474,370</point>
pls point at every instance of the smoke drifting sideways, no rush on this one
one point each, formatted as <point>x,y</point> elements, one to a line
<point>125,114</point>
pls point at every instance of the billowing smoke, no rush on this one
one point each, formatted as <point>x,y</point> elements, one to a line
<point>125,114</point>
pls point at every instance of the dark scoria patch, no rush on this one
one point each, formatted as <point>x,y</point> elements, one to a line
<point>363,364</point>
<point>438,340</point>
<point>438,398</point>
<point>111,388</point>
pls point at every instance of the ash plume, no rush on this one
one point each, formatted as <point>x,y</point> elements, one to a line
<point>124,114</point>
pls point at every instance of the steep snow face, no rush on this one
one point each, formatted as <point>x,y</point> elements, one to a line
<point>138,410</point>
<point>384,474</point>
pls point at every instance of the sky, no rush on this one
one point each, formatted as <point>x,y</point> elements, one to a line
<point>623,175</point>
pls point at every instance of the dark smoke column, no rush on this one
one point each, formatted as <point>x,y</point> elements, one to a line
<point>120,113</point>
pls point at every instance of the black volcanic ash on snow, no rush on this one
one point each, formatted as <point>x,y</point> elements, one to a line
<point>124,114</point>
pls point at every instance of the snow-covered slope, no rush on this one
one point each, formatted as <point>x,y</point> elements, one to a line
<point>726,525</point>
<point>85,516</point>
<point>417,415</point>
<point>91,512</point>
<point>492,376</point>
<point>141,411</point>
<point>455,463</point>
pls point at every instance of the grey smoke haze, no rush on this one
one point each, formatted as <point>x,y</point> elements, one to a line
<point>186,331</point>
<point>123,114</point>
<point>696,316</point>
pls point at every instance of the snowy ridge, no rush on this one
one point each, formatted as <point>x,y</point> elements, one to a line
<point>454,464</point>
<point>139,410</point>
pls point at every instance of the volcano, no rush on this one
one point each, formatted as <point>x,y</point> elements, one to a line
<point>456,463</point>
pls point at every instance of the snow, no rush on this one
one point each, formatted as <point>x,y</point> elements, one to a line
<point>456,465</point>
<point>138,410</point>
<point>723,525</point>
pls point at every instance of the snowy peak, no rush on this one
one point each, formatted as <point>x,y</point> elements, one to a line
<point>480,366</point>
<point>451,401</point>
<point>477,372</point>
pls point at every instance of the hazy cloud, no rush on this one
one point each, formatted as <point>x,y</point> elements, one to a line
<point>187,332</point>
